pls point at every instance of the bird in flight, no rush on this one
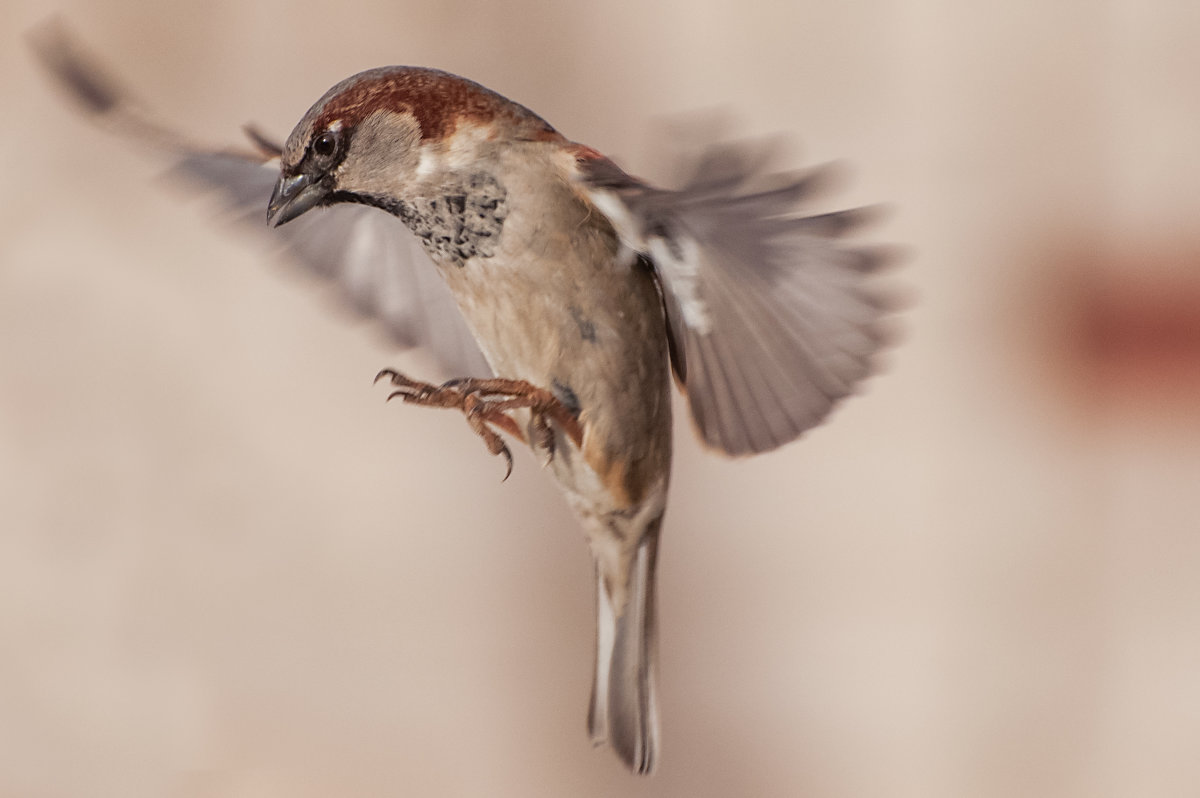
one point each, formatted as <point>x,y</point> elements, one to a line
<point>562,294</point>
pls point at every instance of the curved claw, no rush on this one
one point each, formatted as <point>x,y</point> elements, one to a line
<point>389,373</point>
<point>486,403</point>
<point>508,462</point>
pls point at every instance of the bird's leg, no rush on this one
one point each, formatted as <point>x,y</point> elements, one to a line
<point>487,402</point>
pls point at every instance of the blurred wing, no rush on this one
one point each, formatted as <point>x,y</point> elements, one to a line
<point>377,265</point>
<point>770,316</point>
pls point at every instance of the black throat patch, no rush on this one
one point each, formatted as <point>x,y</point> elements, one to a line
<point>462,224</point>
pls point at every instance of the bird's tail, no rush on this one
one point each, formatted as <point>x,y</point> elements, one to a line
<point>624,709</point>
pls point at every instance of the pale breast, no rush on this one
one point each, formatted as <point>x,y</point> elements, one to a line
<point>537,272</point>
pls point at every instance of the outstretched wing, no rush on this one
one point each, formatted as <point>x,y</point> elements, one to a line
<point>770,314</point>
<point>377,266</point>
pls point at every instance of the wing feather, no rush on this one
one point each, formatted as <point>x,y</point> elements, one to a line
<point>375,263</point>
<point>771,315</point>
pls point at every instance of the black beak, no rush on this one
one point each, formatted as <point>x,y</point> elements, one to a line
<point>293,196</point>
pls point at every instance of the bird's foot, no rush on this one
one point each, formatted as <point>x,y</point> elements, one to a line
<point>486,403</point>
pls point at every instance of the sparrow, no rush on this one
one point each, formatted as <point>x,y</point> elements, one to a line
<point>564,295</point>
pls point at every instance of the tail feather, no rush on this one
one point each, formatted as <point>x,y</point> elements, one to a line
<point>624,708</point>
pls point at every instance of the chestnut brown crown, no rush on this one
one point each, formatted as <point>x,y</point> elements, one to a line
<point>364,136</point>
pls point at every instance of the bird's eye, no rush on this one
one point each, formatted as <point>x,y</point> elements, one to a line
<point>325,145</point>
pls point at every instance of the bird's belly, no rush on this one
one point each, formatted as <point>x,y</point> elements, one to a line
<point>596,339</point>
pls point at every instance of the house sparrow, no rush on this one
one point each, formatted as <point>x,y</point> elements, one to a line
<point>563,293</point>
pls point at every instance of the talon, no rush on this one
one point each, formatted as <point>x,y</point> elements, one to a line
<point>507,460</point>
<point>486,403</point>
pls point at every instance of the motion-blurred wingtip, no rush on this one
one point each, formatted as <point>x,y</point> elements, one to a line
<point>76,71</point>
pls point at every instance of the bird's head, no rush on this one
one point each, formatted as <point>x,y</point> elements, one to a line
<point>385,135</point>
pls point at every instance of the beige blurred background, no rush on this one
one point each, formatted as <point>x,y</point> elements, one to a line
<point>228,569</point>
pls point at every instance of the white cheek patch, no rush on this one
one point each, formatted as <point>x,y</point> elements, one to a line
<point>462,148</point>
<point>428,162</point>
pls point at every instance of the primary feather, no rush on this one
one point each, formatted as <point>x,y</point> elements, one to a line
<point>770,315</point>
